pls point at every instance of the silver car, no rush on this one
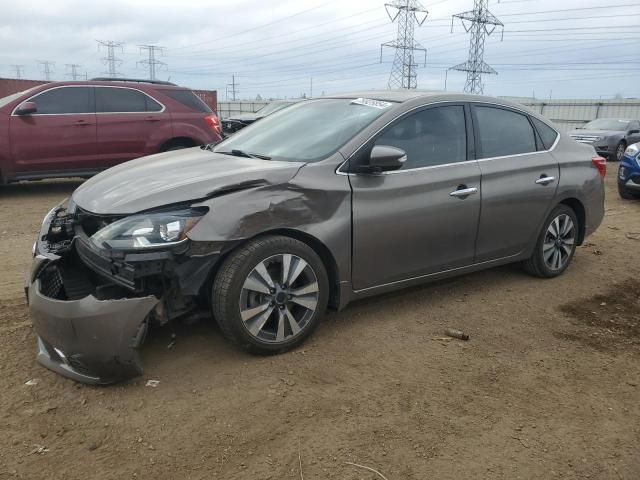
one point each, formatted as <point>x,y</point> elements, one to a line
<point>324,202</point>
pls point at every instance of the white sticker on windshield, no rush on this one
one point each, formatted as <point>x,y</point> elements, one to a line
<point>371,103</point>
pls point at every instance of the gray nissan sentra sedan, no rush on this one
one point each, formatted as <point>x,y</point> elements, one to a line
<point>327,201</point>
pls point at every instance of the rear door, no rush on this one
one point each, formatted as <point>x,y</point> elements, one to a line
<point>127,120</point>
<point>60,137</point>
<point>407,223</point>
<point>519,180</point>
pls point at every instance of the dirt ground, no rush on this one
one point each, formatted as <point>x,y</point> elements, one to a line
<point>547,387</point>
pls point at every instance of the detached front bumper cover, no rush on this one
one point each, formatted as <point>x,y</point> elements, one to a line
<point>90,340</point>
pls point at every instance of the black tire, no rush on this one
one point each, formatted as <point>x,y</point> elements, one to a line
<point>618,155</point>
<point>230,279</point>
<point>626,194</point>
<point>537,265</point>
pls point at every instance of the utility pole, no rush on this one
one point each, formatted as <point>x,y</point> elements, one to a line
<point>74,73</point>
<point>111,60</point>
<point>481,23</point>
<point>46,68</point>
<point>408,13</point>
<point>151,63</point>
<point>18,69</point>
<point>311,88</point>
<point>233,89</point>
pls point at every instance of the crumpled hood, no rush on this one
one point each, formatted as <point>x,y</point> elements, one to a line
<point>174,177</point>
<point>598,133</point>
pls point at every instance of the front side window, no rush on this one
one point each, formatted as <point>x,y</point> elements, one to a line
<point>504,132</point>
<point>308,131</point>
<point>64,100</point>
<point>124,100</point>
<point>435,136</point>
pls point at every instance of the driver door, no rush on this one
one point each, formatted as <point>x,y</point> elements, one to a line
<point>423,218</point>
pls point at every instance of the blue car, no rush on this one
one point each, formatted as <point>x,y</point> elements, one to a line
<point>629,173</point>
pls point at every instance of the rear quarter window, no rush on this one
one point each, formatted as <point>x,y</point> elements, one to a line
<point>547,134</point>
<point>188,99</point>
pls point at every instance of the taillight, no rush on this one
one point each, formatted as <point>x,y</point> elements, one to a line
<point>601,164</point>
<point>214,122</point>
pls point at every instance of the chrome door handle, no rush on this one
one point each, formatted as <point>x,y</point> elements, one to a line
<point>545,180</point>
<point>464,192</point>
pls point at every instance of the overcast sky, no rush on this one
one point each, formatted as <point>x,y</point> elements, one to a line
<point>563,49</point>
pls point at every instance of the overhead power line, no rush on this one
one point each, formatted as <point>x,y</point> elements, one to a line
<point>111,60</point>
<point>408,14</point>
<point>481,23</point>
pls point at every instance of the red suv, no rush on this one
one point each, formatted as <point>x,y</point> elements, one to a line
<point>64,129</point>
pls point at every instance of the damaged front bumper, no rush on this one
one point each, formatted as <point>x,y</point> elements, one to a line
<point>89,340</point>
<point>91,314</point>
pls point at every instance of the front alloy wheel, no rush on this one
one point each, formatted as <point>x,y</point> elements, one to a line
<point>278,298</point>
<point>269,295</point>
<point>620,149</point>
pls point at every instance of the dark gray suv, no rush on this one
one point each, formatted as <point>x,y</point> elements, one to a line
<point>324,202</point>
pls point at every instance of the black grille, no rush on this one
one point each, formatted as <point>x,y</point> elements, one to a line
<point>51,283</point>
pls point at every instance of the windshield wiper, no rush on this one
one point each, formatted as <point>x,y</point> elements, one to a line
<point>240,153</point>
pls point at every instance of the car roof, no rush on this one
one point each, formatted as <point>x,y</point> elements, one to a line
<point>401,96</point>
<point>140,84</point>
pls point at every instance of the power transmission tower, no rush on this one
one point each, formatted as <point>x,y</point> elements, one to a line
<point>46,68</point>
<point>74,73</point>
<point>233,89</point>
<point>152,62</point>
<point>481,23</point>
<point>18,69</point>
<point>111,60</point>
<point>408,13</point>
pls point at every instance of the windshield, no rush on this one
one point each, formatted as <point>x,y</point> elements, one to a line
<point>270,108</point>
<point>308,131</point>
<point>14,96</point>
<point>607,124</point>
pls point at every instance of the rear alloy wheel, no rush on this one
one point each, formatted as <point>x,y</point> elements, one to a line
<point>269,295</point>
<point>620,149</point>
<point>556,244</point>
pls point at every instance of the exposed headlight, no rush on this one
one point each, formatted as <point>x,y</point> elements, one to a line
<point>145,231</point>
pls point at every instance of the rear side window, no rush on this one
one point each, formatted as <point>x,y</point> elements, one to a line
<point>547,134</point>
<point>188,99</point>
<point>64,100</point>
<point>124,100</point>
<point>504,132</point>
<point>435,136</point>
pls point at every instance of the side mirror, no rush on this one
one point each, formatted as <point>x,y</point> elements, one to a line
<point>633,132</point>
<point>27,108</point>
<point>384,158</point>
